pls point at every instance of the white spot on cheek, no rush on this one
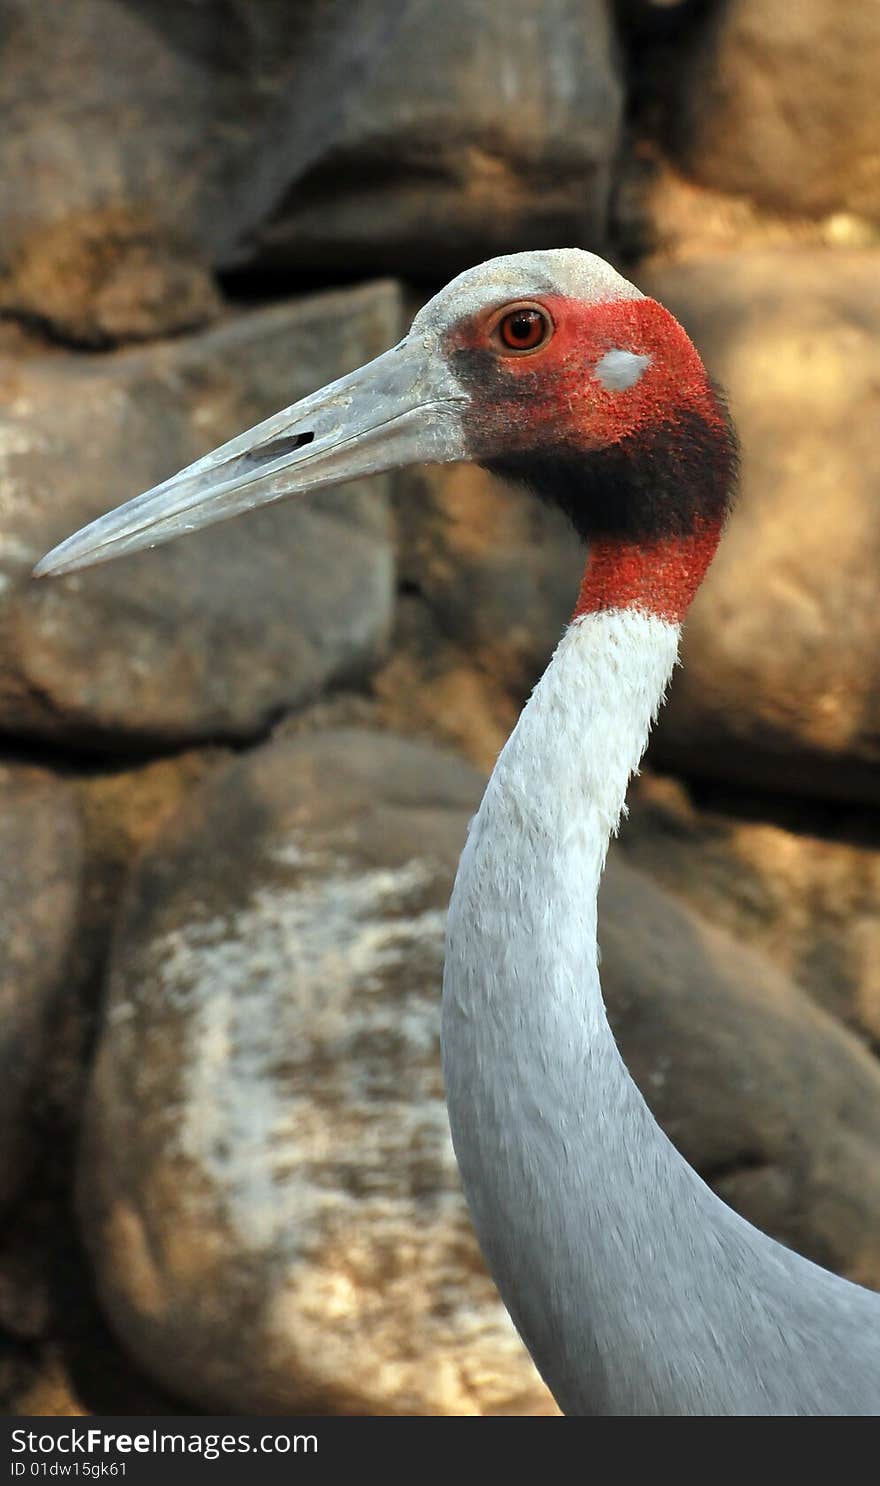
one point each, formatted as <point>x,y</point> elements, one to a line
<point>618,370</point>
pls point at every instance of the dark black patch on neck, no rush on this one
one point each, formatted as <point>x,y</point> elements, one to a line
<point>664,480</point>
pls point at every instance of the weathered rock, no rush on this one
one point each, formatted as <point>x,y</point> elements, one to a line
<point>802,886</point>
<point>143,144</point>
<point>780,102</point>
<point>664,213</point>
<point>40,883</point>
<point>103,277</point>
<point>56,1355</point>
<point>772,1100</point>
<point>462,133</point>
<point>432,688</point>
<point>115,158</point>
<point>122,809</point>
<point>781,679</point>
<point>141,141</point>
<point>498,569</point>
<point>213,636</point>
<point>268,1186</point>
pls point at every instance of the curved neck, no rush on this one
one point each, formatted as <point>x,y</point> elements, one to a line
<point>544,1115</point>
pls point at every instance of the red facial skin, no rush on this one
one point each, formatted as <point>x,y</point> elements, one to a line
<point>552,396</point>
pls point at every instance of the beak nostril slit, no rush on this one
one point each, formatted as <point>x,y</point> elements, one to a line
<point>275,449</point>
<point>296,441</point>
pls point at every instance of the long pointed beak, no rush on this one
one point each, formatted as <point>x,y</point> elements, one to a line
<point>403,408</point>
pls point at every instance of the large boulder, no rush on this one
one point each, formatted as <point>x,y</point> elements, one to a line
<point>144,144</point>
<point>131,132</point>
<point>41,874</point>
<point>267,1186</point>
<point>209,637</point>
<point>780,679</point>
<point>451,135</point>
<point>780,102</point>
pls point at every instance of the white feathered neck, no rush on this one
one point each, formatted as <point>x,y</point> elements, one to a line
<point>526,1045</point>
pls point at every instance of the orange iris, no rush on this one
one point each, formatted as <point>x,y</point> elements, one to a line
<point>524,329</point>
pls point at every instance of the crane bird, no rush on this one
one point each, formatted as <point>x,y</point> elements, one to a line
<point>635,1288</point>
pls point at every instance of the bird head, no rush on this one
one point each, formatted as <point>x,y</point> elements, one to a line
<point>548,368</point>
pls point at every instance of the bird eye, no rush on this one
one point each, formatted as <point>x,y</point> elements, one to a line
<point>524,329</point>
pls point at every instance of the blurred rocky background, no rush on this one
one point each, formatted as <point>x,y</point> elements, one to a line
<point>235,774</point>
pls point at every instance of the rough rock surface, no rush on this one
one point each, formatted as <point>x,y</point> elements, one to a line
<point>212,636</point>
<point>144,144</point>
<point>780,679</point>
<point>799,881</point>
<point>432,688</point>
<point>498,569</point>
<point>40,880</point>
<point>479,130</point>
<point>56,1355</point>
<point>267,1187</point>
<point>120,163</point>
<point>780,102</point>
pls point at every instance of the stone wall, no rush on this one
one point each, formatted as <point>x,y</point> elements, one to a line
<point>236,773</point>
